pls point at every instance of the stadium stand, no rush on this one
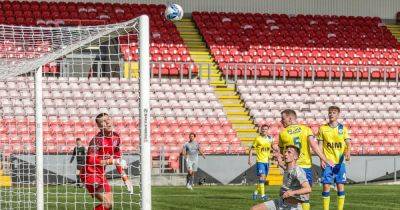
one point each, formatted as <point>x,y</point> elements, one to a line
<point>369,109</point>
<point>178,108</point>
<point>240,40</point>
<point>166,43</point>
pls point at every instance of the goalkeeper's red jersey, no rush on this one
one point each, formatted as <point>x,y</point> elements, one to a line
<point>102,148</point>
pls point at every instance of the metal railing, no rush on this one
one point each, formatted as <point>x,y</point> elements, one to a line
<point>232,72</point>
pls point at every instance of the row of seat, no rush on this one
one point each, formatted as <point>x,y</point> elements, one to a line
<point>369,111</point>
<point>242,43</point>
<point>179,107</point>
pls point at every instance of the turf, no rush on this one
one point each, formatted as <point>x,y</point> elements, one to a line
<point>358,197</point>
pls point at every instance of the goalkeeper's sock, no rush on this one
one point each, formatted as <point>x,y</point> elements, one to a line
<point>326,198</point>
<point>191,180</point>
<point>188,179</point>
<point>100,207</point>
<point>306,205</point>
<point>340,200</point>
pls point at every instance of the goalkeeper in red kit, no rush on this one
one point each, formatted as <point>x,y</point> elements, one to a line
<point>104,149</point>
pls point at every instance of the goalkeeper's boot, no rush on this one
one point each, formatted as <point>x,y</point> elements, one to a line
<point>264,197</point>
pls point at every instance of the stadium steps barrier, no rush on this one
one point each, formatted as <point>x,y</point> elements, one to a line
<point>395,30</point>
<point>226,93</point>
<point>274,176</point>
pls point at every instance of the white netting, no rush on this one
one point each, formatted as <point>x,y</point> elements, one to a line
<point>23,49</point>
<point>83,69</point>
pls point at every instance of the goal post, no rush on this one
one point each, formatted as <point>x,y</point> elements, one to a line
<point>53,83</point>
<point>144,68</point>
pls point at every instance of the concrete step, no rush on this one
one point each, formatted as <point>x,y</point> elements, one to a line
<point>203,50</point>
<point>238,117</point>
<point>247,135</point>
<point>238,112</point>
<point>231,102</point>
<point>235,110</point>
<point>195,44</point>
<point>196,33</point>
<point>241,122</point>
<point>229,97</point>
<point>250,130</point>
<point>192,39</point>
<point>225,89</point>
<point>243,126</point>
<point>194,53</point>
<point>202,56</point>
<point>225,93</point>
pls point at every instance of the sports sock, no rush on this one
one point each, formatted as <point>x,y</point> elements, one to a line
<point>262,188</point>
<point>326,198</point>
<point>305,206</point>
<point>257,191</point>
<point>187,179</point>
<point>100,207</point>
<point>191,180</point>
<point>340,200</point>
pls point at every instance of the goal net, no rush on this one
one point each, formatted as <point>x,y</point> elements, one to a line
<point>53,84</point>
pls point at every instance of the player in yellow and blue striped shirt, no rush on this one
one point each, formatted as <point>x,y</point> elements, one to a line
<point>334,140</point>
<point>262,146</point>
<point>302,137</point>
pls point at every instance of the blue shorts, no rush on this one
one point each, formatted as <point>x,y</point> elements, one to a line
<point>262,168</point>
<point>309,175</point>
<point>335,174</point>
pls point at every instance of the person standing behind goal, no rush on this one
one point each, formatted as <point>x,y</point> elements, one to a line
<point>79,152</point>
<point>191,152</point>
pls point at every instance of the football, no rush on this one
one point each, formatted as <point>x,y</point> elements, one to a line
<point>173,12</point>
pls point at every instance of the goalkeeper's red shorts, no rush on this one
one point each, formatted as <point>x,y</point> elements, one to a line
<point>95,183</point>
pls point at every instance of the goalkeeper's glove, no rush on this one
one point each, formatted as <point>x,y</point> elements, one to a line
<point>119,162</point>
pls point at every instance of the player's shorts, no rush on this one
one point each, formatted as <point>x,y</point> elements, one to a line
<point>262,168</point>
<point>95,184</point>
<point>335,174</point>
<point>191,165</point>
<point>309,175</point>
<point>279,204</point>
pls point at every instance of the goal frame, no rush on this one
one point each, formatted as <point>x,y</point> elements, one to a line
<point>144,121</point>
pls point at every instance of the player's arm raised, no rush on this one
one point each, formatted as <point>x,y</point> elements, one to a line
<point>315,147</point>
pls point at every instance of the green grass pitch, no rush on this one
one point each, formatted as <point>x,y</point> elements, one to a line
<point>358,197</point>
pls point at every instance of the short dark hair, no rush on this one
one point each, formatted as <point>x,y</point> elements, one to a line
<point>78,139</point>
<point>192,134</point>
<point>289,112</point>
<point>100,116</point>
<point>334,108</point>
<point>264,125</point>
<point>297,149</point>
